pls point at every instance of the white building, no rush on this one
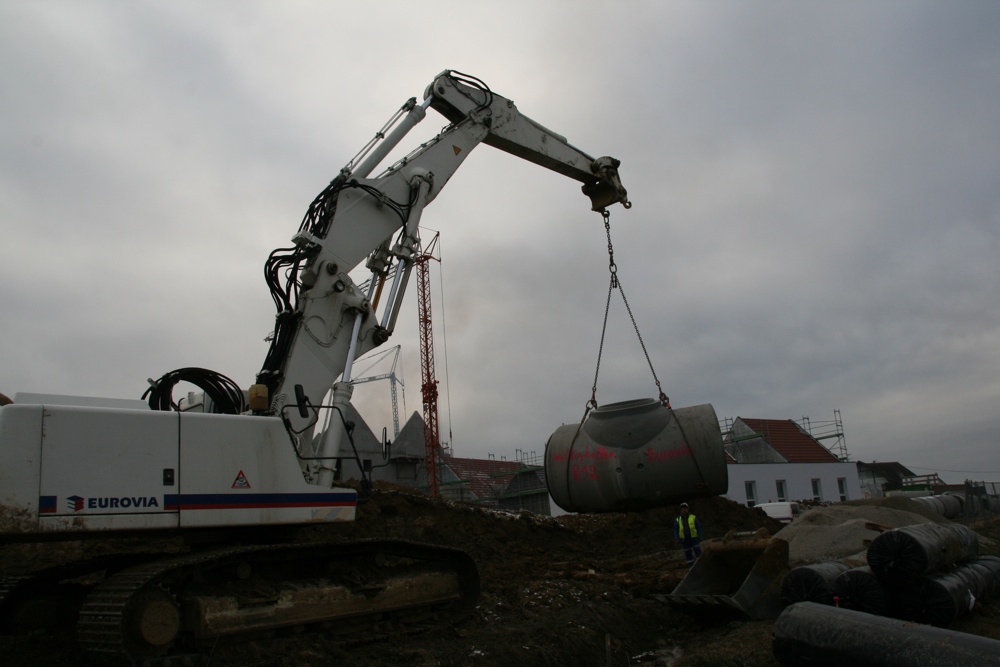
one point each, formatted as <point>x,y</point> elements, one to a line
<point>773,460</point>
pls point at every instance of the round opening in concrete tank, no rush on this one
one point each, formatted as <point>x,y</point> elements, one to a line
<point>636,455</point>
<point>628,424</point>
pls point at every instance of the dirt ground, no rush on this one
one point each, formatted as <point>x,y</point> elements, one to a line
<point>571,590</point>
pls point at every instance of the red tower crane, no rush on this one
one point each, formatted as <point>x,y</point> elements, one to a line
<point>428,387</point>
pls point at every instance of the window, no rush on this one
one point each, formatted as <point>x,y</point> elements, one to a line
<point>842,487</point>
<point>751,488</point>
<point>782,490</point>
<point>817,490</point>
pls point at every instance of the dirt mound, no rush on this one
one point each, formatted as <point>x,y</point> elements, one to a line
<point>569,590</point>
<point>566,590</point>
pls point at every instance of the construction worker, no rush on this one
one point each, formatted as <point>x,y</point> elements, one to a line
<point>687,531</point>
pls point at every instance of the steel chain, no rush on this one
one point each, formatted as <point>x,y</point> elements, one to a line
<point>616,284</point>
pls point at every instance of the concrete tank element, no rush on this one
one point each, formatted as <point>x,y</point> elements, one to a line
<point>636,455</point>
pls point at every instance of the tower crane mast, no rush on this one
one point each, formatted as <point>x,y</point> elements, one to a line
<point>428,387</point>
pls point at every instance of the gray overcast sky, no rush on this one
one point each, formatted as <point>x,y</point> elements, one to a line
<point>816,219</point>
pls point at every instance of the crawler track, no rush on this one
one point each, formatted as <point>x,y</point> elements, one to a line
<point>167,609</point>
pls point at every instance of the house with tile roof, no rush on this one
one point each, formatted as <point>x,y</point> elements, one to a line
<point>510,485</point>
<point>774,460</point>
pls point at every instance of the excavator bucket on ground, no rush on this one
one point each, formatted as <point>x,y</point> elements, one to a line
<point>740,574</point>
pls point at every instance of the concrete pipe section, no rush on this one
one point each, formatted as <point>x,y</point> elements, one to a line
<point>636,455</point>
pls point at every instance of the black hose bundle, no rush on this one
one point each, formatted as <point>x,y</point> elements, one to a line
<point>811,583</point>
<point>859,589</point>
<point>284,268</point>
<point>943,598</point>
<point>227,397</point>
<point>902,555</point>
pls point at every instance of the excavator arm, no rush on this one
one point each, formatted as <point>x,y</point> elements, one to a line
<point>330,321</point>
<point>459,99</point>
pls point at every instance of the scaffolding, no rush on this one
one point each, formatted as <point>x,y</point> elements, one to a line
<point>828,430</point>
<point>522,487</point>
<point>817,430</point>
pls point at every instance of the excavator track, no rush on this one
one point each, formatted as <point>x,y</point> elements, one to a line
<point>44,600</point>
<point>9,589</point>
<point>166,611</point>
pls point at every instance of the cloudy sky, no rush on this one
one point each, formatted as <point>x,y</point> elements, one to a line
<point>816,219</point>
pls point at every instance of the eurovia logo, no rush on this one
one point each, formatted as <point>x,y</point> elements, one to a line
<point>77,503</point>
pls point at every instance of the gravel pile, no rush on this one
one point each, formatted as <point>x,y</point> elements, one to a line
<point>840,532</point>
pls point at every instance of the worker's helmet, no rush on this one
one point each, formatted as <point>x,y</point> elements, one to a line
<point>683,505</point>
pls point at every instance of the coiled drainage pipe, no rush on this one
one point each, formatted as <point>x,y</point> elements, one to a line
<point>807,633</point>
<point>902,555</point>
<point>859,589</point>
<point>811,583</point>
<point>945,597</point>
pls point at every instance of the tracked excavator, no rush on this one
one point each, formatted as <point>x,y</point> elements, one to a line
<point>236,473</point>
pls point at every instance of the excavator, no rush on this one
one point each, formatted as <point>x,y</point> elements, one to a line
<point>235,472</point>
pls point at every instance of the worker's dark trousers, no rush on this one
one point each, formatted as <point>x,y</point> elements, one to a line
<point>692,549</point>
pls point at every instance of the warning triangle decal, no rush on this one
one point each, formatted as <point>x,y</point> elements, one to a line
<point>241,482</point>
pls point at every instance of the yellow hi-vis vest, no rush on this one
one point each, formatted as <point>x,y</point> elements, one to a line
<point>692,526</point>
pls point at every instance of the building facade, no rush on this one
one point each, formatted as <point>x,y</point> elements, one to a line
<point>507,485</point>
<point>774,460</point>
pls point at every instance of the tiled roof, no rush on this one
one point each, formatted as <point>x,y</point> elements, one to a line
<point>485,478</point>
<point>790,441</point>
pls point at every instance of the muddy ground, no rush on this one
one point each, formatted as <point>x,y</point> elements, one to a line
<point>573,590</point>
